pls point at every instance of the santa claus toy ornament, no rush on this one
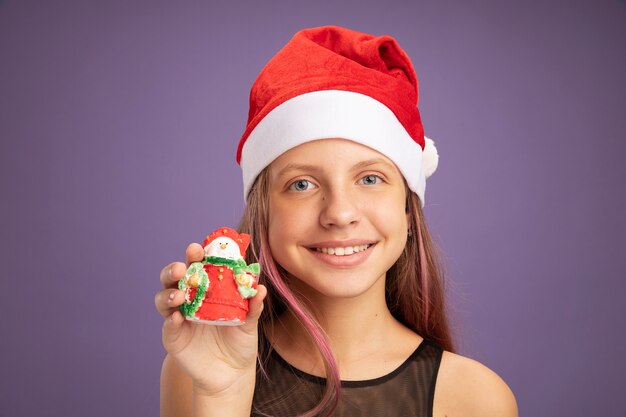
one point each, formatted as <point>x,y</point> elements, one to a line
<point>217,289</point>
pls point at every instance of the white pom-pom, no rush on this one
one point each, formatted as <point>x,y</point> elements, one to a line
<point>430,158</point>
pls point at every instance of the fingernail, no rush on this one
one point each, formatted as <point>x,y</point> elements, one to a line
<point>172,295</point>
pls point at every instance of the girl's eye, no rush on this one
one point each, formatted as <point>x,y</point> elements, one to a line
<point>370,179</point>
<point>300,185</point>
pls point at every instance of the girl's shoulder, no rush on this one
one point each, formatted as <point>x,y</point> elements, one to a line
<point>466,387</point>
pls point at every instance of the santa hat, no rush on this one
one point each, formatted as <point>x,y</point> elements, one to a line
<point>332,82</point>
<point>241,239</point>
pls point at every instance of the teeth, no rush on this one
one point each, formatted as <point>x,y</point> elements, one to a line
<point>348,250</point>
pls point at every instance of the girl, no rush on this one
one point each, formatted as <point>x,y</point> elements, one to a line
<point>349,317</point>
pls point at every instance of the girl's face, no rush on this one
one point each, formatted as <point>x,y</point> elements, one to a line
<point>337,219</point>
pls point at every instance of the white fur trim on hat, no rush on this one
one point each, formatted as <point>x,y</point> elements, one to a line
<point>329,114</point>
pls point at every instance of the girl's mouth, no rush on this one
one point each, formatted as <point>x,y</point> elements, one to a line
<point>343,256</point>
<point>343,251</point>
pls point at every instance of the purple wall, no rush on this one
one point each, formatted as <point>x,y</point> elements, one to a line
<point>119,122</point>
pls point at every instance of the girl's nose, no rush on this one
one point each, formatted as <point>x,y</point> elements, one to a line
<point>339,209</point>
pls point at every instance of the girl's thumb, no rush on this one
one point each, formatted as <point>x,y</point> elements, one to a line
<point>255,308</point>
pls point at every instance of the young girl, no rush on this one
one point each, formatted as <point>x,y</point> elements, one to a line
<point>349,317</point>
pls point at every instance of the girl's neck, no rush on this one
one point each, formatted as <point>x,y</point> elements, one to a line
<point>364,336</point>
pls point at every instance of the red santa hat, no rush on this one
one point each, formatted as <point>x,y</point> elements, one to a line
<point>241,239</point>
<point>332,82</point>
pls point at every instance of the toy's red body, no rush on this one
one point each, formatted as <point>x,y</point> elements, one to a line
<point>222,301</point>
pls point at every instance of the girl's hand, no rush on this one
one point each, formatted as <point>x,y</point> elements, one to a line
<point>217,358</point>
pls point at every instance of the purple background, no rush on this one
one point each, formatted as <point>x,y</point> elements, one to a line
<point>119,122</point>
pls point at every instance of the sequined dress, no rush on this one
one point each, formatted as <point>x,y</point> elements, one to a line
<point>406,391</point>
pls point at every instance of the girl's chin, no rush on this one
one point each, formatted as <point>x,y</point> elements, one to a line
<point>336,286</point>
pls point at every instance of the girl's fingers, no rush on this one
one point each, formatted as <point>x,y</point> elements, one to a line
<point>168,300</point>
<point>172,329</point>
<point>174,272</point>
<point>171,274</point>
<point>194,253</point>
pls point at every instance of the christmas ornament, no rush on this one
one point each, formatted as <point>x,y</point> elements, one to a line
<point>217,289</point>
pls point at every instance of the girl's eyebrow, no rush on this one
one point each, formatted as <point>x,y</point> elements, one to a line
<point>373,161</point>
<point>296,167</point>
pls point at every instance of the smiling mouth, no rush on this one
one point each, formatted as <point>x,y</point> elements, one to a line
<point>343,251</point>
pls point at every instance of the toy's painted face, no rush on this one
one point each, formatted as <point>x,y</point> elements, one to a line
<point>223,247</point>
